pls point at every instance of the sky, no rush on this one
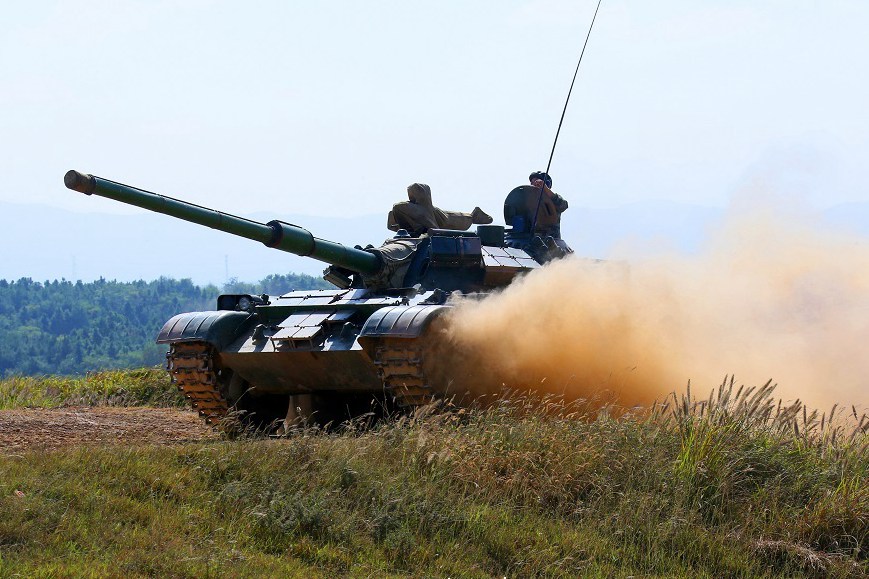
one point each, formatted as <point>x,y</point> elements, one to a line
<point>329,110</point>
<point>333,108</point>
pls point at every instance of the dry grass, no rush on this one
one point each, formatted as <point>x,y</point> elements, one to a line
<point>733,485</point>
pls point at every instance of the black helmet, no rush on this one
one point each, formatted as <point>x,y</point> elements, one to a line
<point>541,175</point>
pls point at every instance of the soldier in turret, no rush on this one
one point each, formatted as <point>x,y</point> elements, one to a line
<point>418,214</point>
<point>552,205</point>
<point>533,215</point>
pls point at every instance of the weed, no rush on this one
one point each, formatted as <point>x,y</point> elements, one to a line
<point>733,484</point>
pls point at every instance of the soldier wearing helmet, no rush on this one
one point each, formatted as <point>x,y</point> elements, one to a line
<point>533,214</point>
<point>546,215</point>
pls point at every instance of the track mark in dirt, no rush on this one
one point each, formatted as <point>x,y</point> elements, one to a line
<point>56,428</point>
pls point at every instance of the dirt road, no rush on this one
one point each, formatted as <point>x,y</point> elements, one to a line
<point>61,427</point>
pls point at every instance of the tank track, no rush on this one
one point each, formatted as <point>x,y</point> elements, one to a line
<point>400,367</point>
<point>191,368</point>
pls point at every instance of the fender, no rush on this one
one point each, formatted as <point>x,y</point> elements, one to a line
<point>218,328</point>
<point>401,321</point>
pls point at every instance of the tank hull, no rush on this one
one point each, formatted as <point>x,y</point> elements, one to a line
<point>323,349</point>
<point>305,371</point>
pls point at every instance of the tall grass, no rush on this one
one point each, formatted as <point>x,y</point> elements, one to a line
<point>143,387</point>
<point>730,485</point>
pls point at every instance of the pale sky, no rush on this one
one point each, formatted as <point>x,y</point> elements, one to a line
<point>332,108</point>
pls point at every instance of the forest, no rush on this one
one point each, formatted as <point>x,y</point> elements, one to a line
<point>69,328</point>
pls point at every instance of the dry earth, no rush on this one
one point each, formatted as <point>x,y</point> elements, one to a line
<point>61,427</point>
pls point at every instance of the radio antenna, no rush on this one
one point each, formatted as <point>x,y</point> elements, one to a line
<point>561,120</point>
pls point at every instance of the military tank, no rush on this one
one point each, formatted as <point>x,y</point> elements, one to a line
<point>325,355</point>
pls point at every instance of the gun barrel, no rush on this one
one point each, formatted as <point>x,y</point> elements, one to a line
<point>275,234</point>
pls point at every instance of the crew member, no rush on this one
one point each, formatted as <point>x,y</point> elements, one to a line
<point>552,204</point>
<point>418,214</point>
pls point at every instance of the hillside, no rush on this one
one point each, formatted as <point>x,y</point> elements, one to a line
<point>60,327</point>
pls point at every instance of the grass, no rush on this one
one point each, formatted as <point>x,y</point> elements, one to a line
<point>733,485</point>
<point>143,387</point>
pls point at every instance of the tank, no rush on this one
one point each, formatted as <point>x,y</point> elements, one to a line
<point>328,355</point>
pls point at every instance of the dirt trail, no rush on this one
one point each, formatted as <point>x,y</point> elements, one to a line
<point>62,427</point>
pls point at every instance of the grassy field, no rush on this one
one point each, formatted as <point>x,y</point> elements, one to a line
<point>144,387</point>
<point>732,485</point>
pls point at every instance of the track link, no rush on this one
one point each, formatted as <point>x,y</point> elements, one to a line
<point>400,366</point>
<point>191,368</point>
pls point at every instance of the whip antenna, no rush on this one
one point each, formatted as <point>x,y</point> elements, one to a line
<point>567,100</point>
<point>557,132</point>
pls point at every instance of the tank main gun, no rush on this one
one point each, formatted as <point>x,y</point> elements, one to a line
<point>274,234</point>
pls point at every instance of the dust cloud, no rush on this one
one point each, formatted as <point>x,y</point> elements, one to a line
<point>770,296</point>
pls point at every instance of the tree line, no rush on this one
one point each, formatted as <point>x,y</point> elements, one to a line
<point>67,328</point>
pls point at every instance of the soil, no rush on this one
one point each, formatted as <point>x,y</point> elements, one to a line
<point>57,428</point>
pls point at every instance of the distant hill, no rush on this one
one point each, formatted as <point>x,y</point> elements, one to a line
<point>595,232</point>
<point>73,328</point>
<point>46,243</point>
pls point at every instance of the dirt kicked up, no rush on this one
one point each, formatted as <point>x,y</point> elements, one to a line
<point>773,294</point>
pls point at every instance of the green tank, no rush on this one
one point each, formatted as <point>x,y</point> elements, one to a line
<point>328,355</point>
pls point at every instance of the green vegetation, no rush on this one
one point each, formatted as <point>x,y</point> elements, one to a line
<point>144,387</point>
<point>65,328</point>
<point>730,486</point>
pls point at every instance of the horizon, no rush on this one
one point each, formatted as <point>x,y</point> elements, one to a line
<point>641,227</point>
